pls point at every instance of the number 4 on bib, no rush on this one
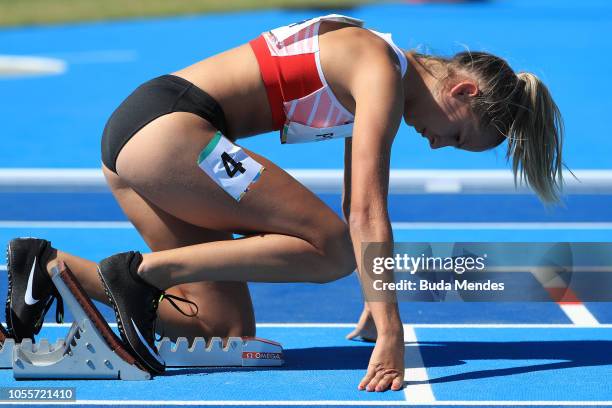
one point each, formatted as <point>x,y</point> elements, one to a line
<point>229,166</point>
<point>227,161</point>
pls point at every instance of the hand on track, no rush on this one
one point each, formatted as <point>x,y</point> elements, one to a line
<point>386,367</point>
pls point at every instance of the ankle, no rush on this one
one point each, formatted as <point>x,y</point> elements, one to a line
<point>147,272</point>
<point>53,260</point>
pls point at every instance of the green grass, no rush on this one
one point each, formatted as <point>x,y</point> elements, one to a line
<point>32,12</point>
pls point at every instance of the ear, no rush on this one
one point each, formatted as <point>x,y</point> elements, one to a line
<point>464,89</point>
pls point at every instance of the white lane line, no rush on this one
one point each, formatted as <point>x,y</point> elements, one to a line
<point>317,403</point>
<point>567,300</point>
<point>420,390</point>
<point>67,224</point>
<point>23,65</point>
<point>502,225</point>
<point>579,314</point>
<point>401,181</point>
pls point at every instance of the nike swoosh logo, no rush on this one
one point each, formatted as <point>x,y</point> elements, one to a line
<point>29,299</point>
<point>151,351</point>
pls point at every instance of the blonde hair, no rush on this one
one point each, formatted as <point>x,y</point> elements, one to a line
<point>521,109</point>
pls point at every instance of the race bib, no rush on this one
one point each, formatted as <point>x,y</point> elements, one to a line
<point>229,166</point>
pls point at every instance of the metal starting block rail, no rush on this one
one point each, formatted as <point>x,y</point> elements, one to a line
<point>93,351</point>
<point>238,352</point>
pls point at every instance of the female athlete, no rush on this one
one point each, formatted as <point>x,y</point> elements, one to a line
<point>171,157</point>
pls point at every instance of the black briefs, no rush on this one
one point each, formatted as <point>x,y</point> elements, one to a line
<point>155,98</point>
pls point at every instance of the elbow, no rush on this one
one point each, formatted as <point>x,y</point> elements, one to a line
<point>368,212</point>
<point>370,222</point>
<point>358,219</point>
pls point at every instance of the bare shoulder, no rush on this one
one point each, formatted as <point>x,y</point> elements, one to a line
<point>351,56</point>
<point>357,47</point>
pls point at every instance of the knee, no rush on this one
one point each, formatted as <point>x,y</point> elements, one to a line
<point>338,255</point>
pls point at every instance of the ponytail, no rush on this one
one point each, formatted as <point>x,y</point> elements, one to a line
<point>535,139</point>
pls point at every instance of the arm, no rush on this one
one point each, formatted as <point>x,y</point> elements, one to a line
<point>369,219</point>
<point>378,95</point>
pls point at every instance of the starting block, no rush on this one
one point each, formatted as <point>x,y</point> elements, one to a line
<point>91,350</point>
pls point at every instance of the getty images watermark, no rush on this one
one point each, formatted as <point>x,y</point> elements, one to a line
<point>494,272</point>
<point>404,263</point>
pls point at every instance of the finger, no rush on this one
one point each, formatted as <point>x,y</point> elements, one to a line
<point>385,382</point>
<point>365,313</point>
<point>398,383</point>
<point>358,327</point>
<point>366,379</point>
<point>363,335</point>
<point>363,317</point>
<point>368,338</point>
<point>374,381</point>
<point>353,334</point>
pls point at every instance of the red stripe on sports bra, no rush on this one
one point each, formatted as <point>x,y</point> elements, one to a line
<point>268,75</point>
<point>286,78</point>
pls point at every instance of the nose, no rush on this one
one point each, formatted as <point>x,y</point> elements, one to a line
<point>438,142</point>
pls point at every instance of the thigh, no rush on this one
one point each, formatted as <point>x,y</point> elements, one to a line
<point>160,162</point>
<point>220,303</point>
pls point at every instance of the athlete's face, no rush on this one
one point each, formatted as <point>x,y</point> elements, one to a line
<point>445,118</point>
